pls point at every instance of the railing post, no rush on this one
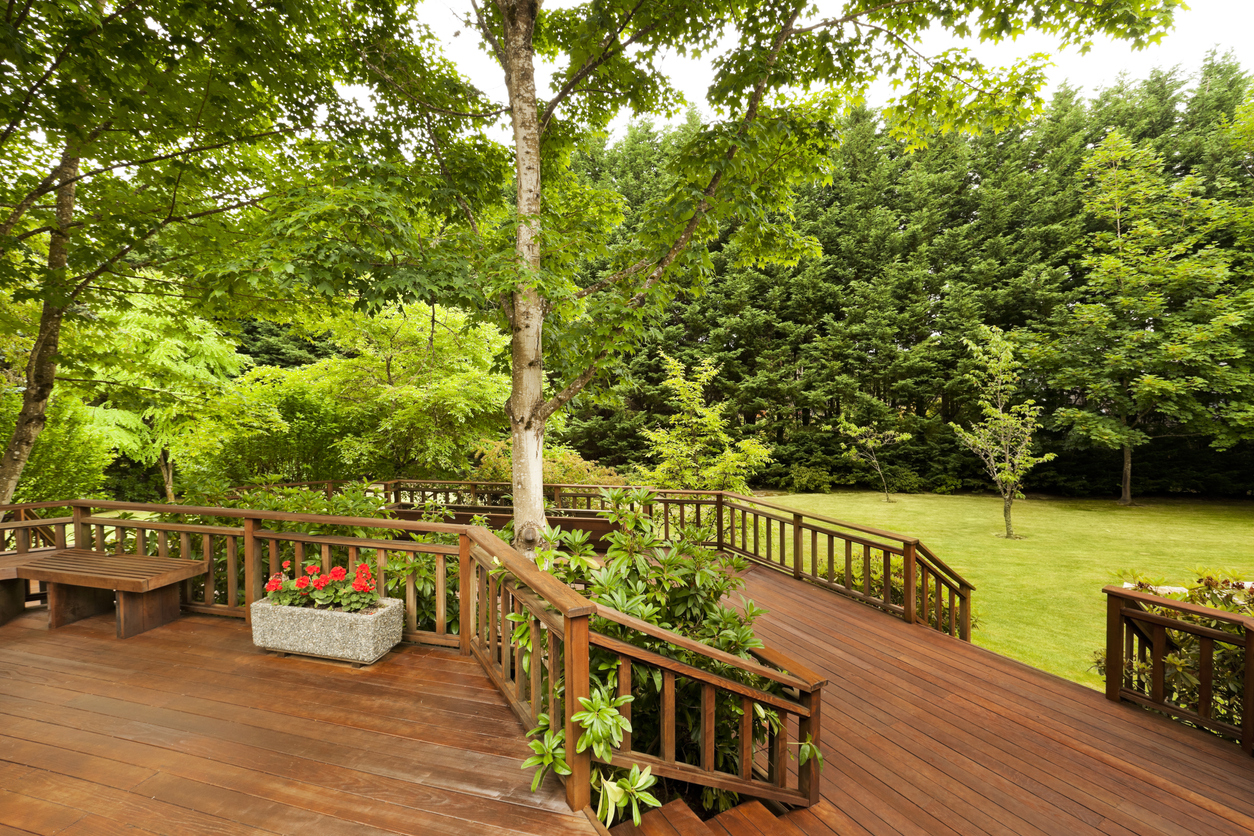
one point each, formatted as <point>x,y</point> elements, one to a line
<point>80,527</point>
<point>1247,705</point>
<point>575,653</point>
<point>1114,647</point>
<point>796,545</point>
<point>252,574</point>
<point>910,577</point>
<point>718,513</point>
<point>465,610</point>
<point>557,497</point>
<point>964,607</point>
<point>808,776</point>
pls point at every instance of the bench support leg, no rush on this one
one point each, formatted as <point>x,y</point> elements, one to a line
<point>12,599</point>
<point>67,603</point>
<point>142,611</point>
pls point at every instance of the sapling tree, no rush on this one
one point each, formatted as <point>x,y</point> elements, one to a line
<point>1003,440</point>
<point>867,444</point>
<point>695,451</point>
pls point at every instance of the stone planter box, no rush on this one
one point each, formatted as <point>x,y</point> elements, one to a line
<point>346,636</point>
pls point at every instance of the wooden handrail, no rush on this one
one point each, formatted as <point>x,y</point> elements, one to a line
<point>558,595</point>
<point>1180,606</point>
<point>694,646</point>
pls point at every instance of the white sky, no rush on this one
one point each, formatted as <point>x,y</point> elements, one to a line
<point>1226,24</point>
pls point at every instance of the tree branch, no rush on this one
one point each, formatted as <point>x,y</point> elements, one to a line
<point>61,56</point>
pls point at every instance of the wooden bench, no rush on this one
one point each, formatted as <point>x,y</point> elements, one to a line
<point>82,583</point>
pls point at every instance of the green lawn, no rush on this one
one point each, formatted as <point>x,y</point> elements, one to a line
<point>1039,599</point>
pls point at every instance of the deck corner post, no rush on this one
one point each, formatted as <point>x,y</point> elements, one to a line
<point>465,594</point>
<point>80,527</point>
<point>1114,645</point>
<point>575,654</point>
<point>808,776</point>
<point>252,574</point>
<point>909,580</point>
<point>1247,706</point>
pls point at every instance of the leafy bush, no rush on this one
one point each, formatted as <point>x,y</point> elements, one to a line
<point>1182,671</point>
<point>70,456</point>
<point>562,466</point>
<point>696,451</point>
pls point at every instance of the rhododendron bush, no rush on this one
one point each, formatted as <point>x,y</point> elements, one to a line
<point>333,589</point>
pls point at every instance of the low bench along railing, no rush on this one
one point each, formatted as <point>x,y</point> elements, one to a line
<point>529,631</point>
<point>893,572</point>
<point>1146,665</point>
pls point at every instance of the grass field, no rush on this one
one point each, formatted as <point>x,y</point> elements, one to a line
<point>1039,599</point>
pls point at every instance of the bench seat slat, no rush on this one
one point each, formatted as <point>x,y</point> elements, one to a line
<point>125,573</point>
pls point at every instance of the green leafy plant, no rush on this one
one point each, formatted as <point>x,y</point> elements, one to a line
<point>549,745</point>
<point>629,789</point>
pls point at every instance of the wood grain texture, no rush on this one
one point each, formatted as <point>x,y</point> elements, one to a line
<point>189,729</point>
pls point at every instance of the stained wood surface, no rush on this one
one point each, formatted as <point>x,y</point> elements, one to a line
<point>189,729</point>
<point>99,570</point>
<point>927,735</point>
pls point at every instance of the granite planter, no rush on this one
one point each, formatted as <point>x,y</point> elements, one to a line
<point>347,636</point>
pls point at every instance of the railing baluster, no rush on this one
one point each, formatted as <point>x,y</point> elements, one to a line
<point>624,690</point>
<point>1205,676</point>
<point>441,595</point>
<point>211,574</point>
<point>232,572</point>
<point>411,602</point>
<point>536,669</point>
<point>746,738</point>
<point>707,727</point>
<point>668,716</point>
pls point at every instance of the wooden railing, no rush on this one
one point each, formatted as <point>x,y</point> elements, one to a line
<point>529,631</point>
<point>1144,663</point>
<point>893,572</point>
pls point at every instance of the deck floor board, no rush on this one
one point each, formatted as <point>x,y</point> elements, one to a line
<point>190,729</point>
<point>926,734</point>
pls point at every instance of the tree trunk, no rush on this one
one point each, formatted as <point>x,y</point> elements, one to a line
<point>1126,497</point>
<point>1007,501</point>
<point>166,466</point>
<point>527,308</point>
<point>41,370</point>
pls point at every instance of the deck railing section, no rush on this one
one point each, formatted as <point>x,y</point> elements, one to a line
<point>893,572</point>
<point>413,560</point>
<point>762,723</point>
<point>1145,665</point>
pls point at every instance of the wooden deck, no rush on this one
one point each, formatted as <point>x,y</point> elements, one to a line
<point>929,736</point>
<point>189,729</point>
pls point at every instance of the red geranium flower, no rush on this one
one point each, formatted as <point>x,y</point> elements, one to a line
<point>274,585</point>
<point>312,570</point>
<point>361,586</point>
<point>301,583</point>
<point>321,582</point>
<point>338,573</point>
<point>287,564</point>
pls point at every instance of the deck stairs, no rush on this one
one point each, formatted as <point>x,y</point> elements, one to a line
<point>748,819</point>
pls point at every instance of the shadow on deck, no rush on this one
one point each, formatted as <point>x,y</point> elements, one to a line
<point>190,729</point>
<point>930,736</point>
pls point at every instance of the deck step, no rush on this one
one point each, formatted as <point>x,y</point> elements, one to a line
<point>667,820</point>
<point>748,819</point>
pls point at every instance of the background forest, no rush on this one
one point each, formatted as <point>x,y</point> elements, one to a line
<point>1112,238</point>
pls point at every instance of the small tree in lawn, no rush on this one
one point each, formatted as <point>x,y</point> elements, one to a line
<point>1003,440</point>
<point>866,445</point>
